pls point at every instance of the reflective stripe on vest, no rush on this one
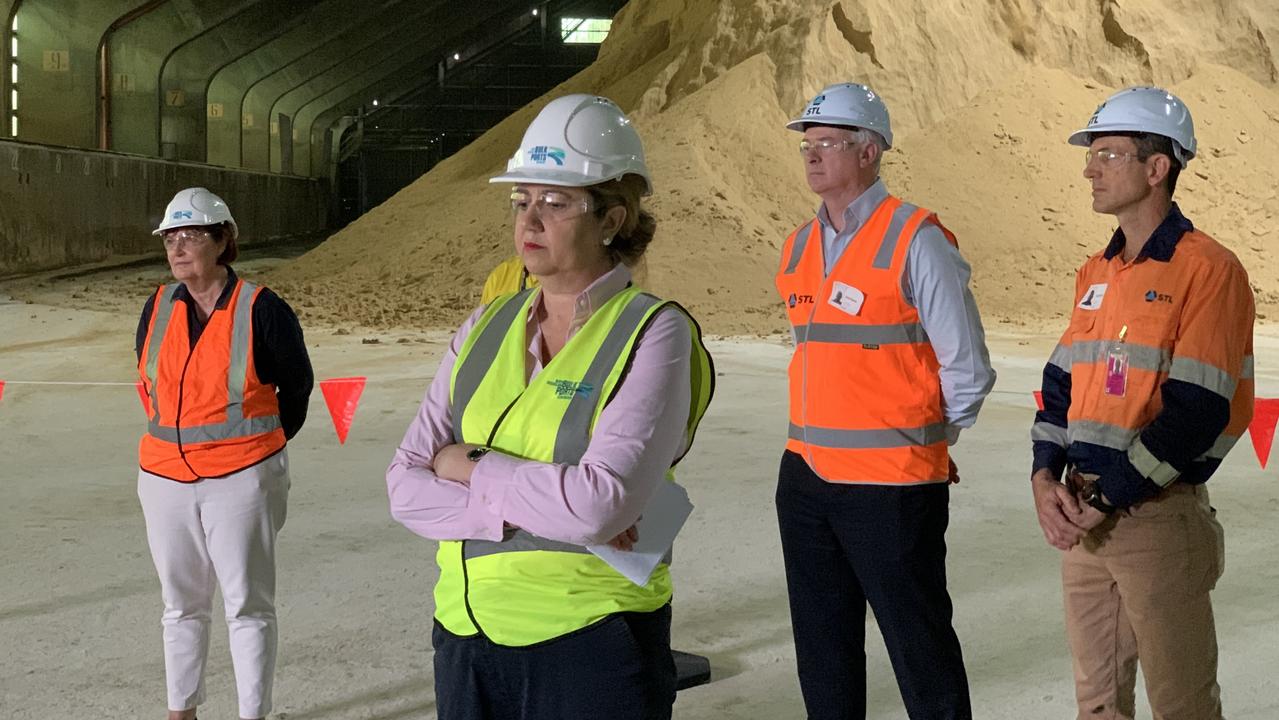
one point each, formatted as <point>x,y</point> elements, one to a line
<point>866,402</point>
<point>528,589</point>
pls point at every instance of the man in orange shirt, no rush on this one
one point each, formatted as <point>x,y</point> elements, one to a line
<point>1151,385</point>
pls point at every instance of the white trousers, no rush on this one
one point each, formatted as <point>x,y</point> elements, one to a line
<point>218,531</point>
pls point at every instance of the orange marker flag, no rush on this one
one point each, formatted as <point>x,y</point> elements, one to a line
<point>1,389</point>
<point>342,395</point>
<point>1265,413</point>
<point>1039,398</point>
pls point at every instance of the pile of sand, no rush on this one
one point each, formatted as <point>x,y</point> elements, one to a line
<point>982,96</point>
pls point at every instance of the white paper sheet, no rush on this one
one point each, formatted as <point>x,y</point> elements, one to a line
<point>658,526</point>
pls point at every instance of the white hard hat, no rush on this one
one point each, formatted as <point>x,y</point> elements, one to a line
<point>196,206</point>
<point>577,141</point>
<point>847,105</point>
<point>1143,109</point>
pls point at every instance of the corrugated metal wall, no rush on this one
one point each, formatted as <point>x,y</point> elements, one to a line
<point>61,207</point>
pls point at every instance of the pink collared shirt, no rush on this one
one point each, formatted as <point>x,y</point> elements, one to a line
<point>637,437</point>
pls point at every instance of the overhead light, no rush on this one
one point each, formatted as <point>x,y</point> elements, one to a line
<point>457,56</point>
<point>374,102</point>
<point>534,12</point>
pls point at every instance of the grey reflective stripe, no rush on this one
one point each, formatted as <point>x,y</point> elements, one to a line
<point>1249,368</point>
<point>162,311</point>
<point>797,247</point>
<point>481,357</point>
<point>1061,358</point>
<point>1220,448</point>
<point>905,333</point>
<point>239,427</point>
<point>574,433</point>
<point>1047,432</point>
<point>523,541</point>
<point>1160,473</point>
<point>1140,357</point>
<point>884,256</point>
<point>238,368</point>
<point>869,439</point>
<point>1099,433</point>
<point>1204,375</point>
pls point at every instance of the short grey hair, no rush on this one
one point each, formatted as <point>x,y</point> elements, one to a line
<point>863,135</point>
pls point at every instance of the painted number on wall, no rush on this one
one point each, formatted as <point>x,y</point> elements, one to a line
<point>124,82</point>
<point>57,60</point>
<point>246,120</point>
<point>216,110</point>
<point>175,98</point>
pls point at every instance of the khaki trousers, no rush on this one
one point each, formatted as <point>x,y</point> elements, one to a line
<point>1138,587</point>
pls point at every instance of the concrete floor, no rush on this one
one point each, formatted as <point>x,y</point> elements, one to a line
<point>80,604</point>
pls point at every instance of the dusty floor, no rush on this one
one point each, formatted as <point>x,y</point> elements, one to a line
<point>80,605</point>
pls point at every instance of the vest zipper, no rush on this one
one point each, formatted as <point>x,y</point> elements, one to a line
<point>177,421</point>
<point>466,578</point>
<point>808,451</point>
<point>182,381</point>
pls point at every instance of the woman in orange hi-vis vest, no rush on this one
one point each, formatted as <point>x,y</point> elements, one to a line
<point>890,362</point>
<point>226,378</point>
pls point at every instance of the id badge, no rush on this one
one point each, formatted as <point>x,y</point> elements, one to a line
<point>1117,366</point>
<point>1116,371</point>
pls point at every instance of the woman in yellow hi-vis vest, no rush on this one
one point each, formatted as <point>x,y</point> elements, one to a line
<point>556,414</point>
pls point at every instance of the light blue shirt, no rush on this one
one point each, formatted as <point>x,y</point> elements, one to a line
<point>935,283</point>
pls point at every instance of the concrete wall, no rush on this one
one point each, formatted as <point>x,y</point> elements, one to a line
<point>61,206</point>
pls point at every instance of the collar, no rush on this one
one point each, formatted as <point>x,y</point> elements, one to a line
<point>594,296</point>
<point>859,210</point>
<point>1162,242</point>
<point>185,295</point>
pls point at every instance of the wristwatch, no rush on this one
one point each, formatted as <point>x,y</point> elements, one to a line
<point>474,454</point>
<point>1091,494</point>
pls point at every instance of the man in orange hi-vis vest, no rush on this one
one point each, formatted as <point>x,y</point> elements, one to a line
<point>1151,385</point>
<point>890,362</point>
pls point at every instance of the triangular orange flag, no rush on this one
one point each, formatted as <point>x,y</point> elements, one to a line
<point>142,396</point>
<point>1039,398</point>
<point>342,395</point>
<point>1265,413</point>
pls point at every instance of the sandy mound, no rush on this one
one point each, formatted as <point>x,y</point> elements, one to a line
<point>982,94</point>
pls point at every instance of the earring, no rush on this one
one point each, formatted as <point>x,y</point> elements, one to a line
<point>608,241</point>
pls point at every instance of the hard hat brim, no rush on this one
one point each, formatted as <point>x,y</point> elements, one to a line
<point>560,179</point>
<point>801,124</point>
<point>1081,137</point>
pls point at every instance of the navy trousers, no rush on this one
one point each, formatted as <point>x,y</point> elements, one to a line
<point>848,545</point>
<point>619,668</point>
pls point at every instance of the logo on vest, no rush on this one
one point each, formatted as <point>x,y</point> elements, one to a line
<point>1093,297</point>
<point>1153,296</point>
<point>566,389</point>
<point>794,300</point>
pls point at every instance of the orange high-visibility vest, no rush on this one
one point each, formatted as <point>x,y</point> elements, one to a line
<point>209,414</point>
<point>1147,320</point>
<point>865,395</point>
